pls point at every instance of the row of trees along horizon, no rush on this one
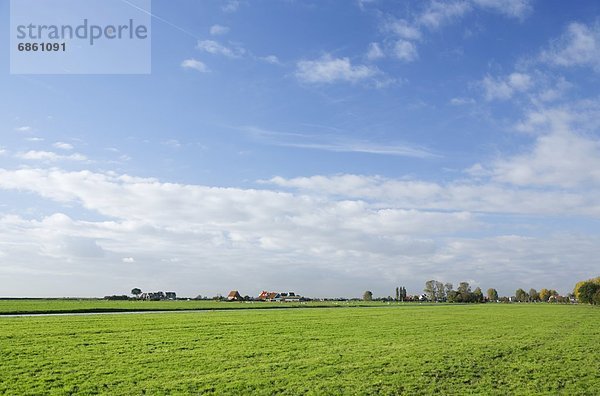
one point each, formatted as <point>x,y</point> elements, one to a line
<point>587,292</point>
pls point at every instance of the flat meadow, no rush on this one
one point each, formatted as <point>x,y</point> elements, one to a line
<point>88,305</point>
<point>491,349</point>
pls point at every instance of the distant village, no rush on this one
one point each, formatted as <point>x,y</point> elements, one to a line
<point>434,291</point>
<point>233,295</point>
<point>266,296</point>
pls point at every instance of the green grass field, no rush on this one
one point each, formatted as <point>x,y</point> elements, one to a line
<point>40,306</point>
<point>407,349</point>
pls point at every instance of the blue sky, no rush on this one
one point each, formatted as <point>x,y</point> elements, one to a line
<point>325,147</point>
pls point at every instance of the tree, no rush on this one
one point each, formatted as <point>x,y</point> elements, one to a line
<point>452,296</point>
<point>368,296</point>
<point>521,295</point>
<point>464,287</point>
<point>430,290</point>
<point>464,292</point>
<point>397,294</point>
<point>136,291</point>
<point>448,288</point>
<point>544,295</point>
<point>477,295</point>
<point>403,293</point>
<point>440,294</point>
<point>578,285</point>
<point>492,294</point>
<point>534,295</point>
<point>588,292</point>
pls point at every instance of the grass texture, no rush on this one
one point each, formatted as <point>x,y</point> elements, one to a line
<point>491,349</point>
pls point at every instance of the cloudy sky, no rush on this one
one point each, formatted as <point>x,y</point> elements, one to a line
<point>325,147</point>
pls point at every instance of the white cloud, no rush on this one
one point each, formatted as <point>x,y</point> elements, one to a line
<point>375,52</point>
<point>217,30</point>
<point>519,81</point>
<point>63,246</point>
<point>460,195</point>
<point>328,70</point>
<point>402,29</point>
<point>24,129</point>
<point>504,88</point>
<point>3,151</point>
<point>335,144</point>
<point>439,13</point>
<point>230,215</point>
<point>563,155</point>
<point>215,48</point>
<point>49,156</point>
<point>405,33</point>
<point>340,231</point>
<point>128,260</point>
<point>512,261</point>
<point>195,64</point>
<point>405,51</point>
<point>564,152</point>
<point>560,118</point>
<point>559,159</point>
<point>35,139</point>
<point>554,90</point>
<point>231,6</point>
<point>578,46</point>
<point>272,59</point>
<point>174,143</point>
<point>209,262</point>
<point>362,4</point>
<point>461,101</point>
<point>63,146</point>
<point>512,8</point>
<point>365,147</point>
<point>477,170</point>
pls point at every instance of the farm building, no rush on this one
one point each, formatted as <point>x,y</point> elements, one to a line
<point>275,296</point>
<point>263,295</point>
<point>290,297</point>
<point>269,296</point>
<point>171,296</point>
<point>234,295</point>
<point>158,296</point>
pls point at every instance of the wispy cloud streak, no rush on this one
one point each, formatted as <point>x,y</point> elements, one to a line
<point>335,143</point>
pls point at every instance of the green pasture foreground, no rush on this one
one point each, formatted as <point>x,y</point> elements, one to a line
<point>447,349</point>
<point>40,306</point>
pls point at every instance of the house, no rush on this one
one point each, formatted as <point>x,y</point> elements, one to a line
<point>171,296</point>
<point>158,296</point>
<point>263,295</point>
<point>234,295</point>
<point>279,297</point>
<point>274,296</point>
<point>153,296</point>
<point>290,297</point>
<point>269,296</point>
